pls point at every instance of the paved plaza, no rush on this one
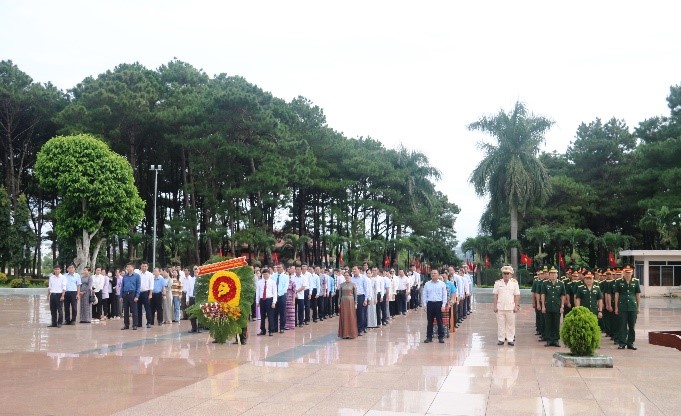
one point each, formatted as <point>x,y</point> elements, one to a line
<point>97,369</point>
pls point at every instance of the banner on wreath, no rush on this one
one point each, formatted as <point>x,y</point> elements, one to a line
<point>223,265</point>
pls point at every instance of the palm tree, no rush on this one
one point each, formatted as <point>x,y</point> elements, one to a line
<point>479,246</point>
<point>504,245</point>
<point>510,172</point>
<point>540,235</point>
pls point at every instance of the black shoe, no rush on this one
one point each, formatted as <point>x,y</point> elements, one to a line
<point>160,323</point>
<point>441,341</point>
<point>510,344</point>
<point>620,347</point>
<point>52,326</point>
<point>134,328</point>
<point>271,334</point>
<point>124,328</point>
<point>58,325</point>
<point>548,344</point>
<point>148,325</point>
<point>72,323</point>
<point>235,343</point>
<point>631,347</point>
<point>260,333</point>
<point>281,332</point>
<point>192,331</point>
<point>500,343</point>
<point>555,344</point>
<point>427,340</point>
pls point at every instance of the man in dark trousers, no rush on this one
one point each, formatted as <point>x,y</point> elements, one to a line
<point>130,292</point>
<point>435,299</point>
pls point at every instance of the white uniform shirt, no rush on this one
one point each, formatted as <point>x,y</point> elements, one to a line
<point>270,291</point>
<point>97,282</point>
<point>298,280</point>
<point>506,293</point>
<point>189,287</point>
<point>403,282</point>
<point>57,284</point>
<point>146,281</point>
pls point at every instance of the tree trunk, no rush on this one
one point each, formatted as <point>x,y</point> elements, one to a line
<point>514,236</point>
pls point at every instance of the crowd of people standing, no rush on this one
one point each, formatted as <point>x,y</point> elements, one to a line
<point>286,297</point>
<point>159,295</point>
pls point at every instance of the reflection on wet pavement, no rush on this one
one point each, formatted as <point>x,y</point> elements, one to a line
<point>165,370</point>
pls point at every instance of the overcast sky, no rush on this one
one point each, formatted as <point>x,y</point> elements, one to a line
<point>414,73</point>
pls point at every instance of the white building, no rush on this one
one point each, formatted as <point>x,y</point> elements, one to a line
<point>658,270</point>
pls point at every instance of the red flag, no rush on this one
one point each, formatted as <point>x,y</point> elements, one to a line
<point>275,258</point>
<point>386,262</point>
<point>475,268</point>
<point>221,252</point>
<point>487,261</point>
<point>561,262</point>
<point>611,259</point>
<point>523,259</point>
<point>469,264</point>
<point>340,257</point>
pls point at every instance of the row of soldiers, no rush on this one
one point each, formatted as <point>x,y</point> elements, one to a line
<point>612,295</point>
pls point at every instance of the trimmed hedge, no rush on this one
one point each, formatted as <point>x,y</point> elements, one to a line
<point>580,332</point>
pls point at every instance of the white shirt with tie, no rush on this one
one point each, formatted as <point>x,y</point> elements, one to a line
<point>268,287</point>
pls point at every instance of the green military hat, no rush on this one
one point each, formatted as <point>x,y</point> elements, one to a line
<point>553,269</point>
<point>545,269</point>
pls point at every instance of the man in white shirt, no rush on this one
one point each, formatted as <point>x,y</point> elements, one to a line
<point>415,285</point>
<point>299,281</point>
<point>266,300</point>
<point>379,298</point>
<point>146,284</point>
<point>190,281</point>
<point>307,282</point>
<point>55,292</point>
<point>506,304</point>
<point>97,287</point>
<point>402,291</point>
<point>315,291</point>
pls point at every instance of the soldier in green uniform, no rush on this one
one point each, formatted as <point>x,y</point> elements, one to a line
<point>590,296</point>
<point>552,302</point>
<point>614,318</point>
<point>535,283</point>
<point>627,292</point>
<point>571,288</point>
<point>606,288</point>
<point>543,276</point>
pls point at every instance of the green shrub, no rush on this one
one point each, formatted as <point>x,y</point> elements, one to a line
<point>16,283</point>
<point>3,278</point>
<point>580,332</point>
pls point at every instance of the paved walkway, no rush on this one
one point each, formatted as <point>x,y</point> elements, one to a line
<point>98,369</point>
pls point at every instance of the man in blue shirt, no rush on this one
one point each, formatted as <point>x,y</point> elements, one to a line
<point>362,284</point>
<point>158,294</point>
<point>435,298</point>
<point>130,292</point>
<point>72,295</point>
<point>282,280</point>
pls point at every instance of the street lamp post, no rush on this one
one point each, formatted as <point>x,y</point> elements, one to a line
<point>156,169</point>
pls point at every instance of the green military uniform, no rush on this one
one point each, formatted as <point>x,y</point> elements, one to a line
<point>614,318</point>
<point>536,290</point>
<point>627,308</point>
<point>571,289</point>
<point>606,288</point>
<point>589,297</point>
<point>553,302</point>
